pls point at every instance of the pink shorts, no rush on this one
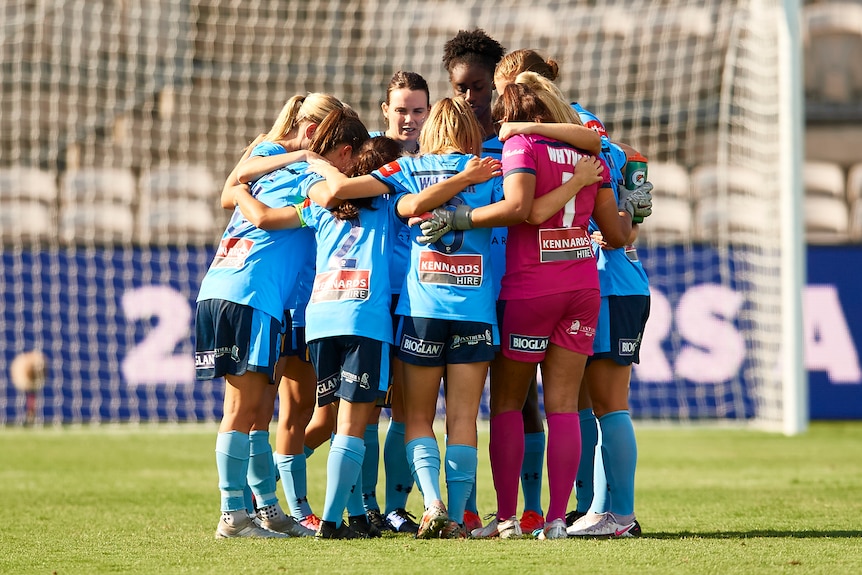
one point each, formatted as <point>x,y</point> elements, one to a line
<point>568,319</point>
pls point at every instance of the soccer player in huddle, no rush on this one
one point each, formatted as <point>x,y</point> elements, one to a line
<point>624,311</point>
<point>238,325</point>
<point>446,304</point>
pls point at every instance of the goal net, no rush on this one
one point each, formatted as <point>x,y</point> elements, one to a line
<point>120,120</point>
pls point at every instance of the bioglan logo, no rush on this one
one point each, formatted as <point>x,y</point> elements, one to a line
<point>328,386</point>
<point>204,359</point>
<point>528,343</point>
<point>628,347</point>
<point>421,348</point>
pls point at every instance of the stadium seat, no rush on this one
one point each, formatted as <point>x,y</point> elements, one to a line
<point>97,206</point>
<point>854,183</point>
<point>856,222</point>
<point>734,218</point>
<point>709,181</point>
<point>832,45</point>
<point>28,197</point>
<point>823,179</point>
<point>179,205</point>
<point>670,180</point>
<point>827,220</point>
<point>670,222</point>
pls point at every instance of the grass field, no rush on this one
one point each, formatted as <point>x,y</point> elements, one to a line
<point>143,499</point>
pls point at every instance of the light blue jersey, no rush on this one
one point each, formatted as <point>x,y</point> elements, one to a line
<point>256,267</point>
<point>492,147</point>
<point>620,271</point>
<point>351,293</point>
<point>451,278</point>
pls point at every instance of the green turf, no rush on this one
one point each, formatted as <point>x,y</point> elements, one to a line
<point>130,499</point>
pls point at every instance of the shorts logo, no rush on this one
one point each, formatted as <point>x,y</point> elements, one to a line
<point>360,380</point>
<point>574,328</point>
<point>628,346</point>
<point>459,340</point>
<point>421,348</point>
<point>204,359</point>
<point>328,386</point>
<point>528,343</point>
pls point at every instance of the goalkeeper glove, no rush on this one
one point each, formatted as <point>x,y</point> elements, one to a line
<point>445,219</point>
<point>637,202</point>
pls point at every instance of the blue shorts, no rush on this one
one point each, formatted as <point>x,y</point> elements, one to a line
<point>620,329</point>
<point>438,342</point>
<point>386,400</point>
<point>294,344</point>
<point>350,367</point>
<point>231,339</point>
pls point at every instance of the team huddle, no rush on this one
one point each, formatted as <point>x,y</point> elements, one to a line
<point>479,238</point>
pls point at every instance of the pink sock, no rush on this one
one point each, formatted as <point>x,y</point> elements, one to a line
<point>507,456</point>
<point>564,454</point>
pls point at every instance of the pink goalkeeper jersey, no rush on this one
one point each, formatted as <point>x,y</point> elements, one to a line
<point>554,256</point>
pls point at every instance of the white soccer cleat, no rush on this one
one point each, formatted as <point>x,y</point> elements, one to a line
<point>273,518</point>
<point>556,529</point>
<point>601,525</point>
<point>507,529</point>
<point>229,528</point>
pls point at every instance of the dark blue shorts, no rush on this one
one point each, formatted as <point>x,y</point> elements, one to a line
<point>294,344</point>
<point>438,342</point>
<point>231,339</point>
<point>620,329</point>
<point>350,367</point>
<point>386,400</point>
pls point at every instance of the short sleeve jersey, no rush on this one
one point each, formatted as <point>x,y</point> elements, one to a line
<point>451,278</point>
<point>555,256</point>
<point>256,267</point>
<point>351,293</point>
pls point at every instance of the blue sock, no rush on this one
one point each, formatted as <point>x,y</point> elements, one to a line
<point>307,451</point>
<point>471,501</point>
<point>424,456</point>
<point>370,467</point>
<point>343,468</point>
<point>589,440</point>
<point>620,453</point>
<point>294,482</point>
<point>261,469</point>
<point>461,463</point>
<point>396,468</point>
<point>232,448</point>
<point>355,504</point>
<point>601,495</point>
<point>249,499</point>
<point>531,471</point>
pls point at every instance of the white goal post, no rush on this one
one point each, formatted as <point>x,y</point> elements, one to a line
<point>119,121</point>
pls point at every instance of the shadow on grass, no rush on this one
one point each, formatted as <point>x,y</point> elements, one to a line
<point>810,534</point>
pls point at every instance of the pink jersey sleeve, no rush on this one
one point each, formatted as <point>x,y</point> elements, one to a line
<point>518,155</point>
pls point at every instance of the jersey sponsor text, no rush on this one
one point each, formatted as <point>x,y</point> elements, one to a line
<point>458,270</point>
